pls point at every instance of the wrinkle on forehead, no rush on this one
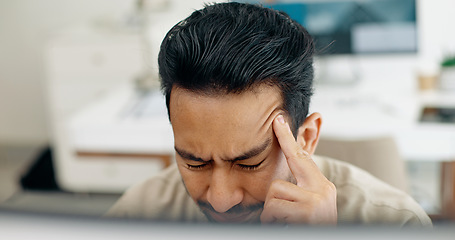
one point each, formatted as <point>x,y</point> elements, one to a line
<point>234,121</point>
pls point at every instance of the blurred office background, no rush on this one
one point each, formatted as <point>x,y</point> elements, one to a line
<point>81,117</point>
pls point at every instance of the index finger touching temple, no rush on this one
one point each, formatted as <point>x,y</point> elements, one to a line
<point>300,162</point>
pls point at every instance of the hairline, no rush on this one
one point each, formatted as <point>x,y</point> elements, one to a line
<point>211,92</point>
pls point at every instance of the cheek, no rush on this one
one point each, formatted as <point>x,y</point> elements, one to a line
<point>282,168</point>
<point>255,185</point>
<point>280,164</point>
<point>196,182</point>
<point>258,183</point>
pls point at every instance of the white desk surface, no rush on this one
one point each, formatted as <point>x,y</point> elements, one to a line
<point>123,122</point>
<point>120,122</point>
<point>355,114</point>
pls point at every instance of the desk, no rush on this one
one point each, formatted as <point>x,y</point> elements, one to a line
<point>123,122</point>
<point>355,114</point>
<point>118,140</point>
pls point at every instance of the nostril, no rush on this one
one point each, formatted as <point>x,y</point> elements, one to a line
<point>224,191</point>
<point>223,199</point>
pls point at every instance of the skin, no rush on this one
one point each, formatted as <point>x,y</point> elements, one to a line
<point>240,162</point>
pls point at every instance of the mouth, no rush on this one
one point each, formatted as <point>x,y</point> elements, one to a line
<point>244,217</point>
<point>239,213</point>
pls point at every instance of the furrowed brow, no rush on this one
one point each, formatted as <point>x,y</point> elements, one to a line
<point>253,152</point>
<point>188,155</point>
<point>247,155</point>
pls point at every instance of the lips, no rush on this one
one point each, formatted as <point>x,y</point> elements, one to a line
<point>240,213</point>
<point>233,218</point>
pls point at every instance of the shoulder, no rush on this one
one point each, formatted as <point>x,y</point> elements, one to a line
<point>161,197</point>
<point>362,198</point>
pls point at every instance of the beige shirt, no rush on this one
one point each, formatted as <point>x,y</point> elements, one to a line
<point>361,198</point>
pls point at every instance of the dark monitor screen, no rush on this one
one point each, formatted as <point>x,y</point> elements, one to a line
<point>355,26</point>
<point>23,225</point>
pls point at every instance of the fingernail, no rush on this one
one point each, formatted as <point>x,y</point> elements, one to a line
<point>280,119</point>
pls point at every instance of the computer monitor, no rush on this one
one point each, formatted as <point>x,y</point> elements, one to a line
<point>25,225</point>
<point>356,26</point>
<point>345,31</point>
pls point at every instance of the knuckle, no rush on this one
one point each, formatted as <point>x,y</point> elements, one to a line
<point>267,205</point>
<point>277,184</point>
<point>330,188</point>
<point>274,188</point>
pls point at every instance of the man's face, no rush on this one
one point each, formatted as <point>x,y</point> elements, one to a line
<point>226,150</point>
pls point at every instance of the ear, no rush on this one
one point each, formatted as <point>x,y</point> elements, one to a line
<point>308,134</point>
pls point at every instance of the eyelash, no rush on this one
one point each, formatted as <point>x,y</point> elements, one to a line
<point>196,167</point>
<point>249,167</point>
<point>242,166</point>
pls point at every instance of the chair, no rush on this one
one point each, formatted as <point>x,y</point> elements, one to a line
<point>379,156</point>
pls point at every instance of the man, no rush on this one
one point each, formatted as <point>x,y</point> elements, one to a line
<point>238,82</point>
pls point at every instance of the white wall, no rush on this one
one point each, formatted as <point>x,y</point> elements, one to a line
<point>437,35</point>
<point>24,29</point>
<point>26,24</point>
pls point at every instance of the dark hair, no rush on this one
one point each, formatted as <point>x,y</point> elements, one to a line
<point>232,47</point>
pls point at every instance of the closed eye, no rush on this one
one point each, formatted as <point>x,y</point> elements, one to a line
<point>250,167</point>
<point>196,167</point>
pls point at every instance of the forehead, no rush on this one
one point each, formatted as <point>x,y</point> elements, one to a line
<point>229,123</point>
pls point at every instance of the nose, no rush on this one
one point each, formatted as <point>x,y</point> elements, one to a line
<point>223,192</point>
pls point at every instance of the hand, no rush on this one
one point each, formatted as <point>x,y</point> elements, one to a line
<point>312,200</point>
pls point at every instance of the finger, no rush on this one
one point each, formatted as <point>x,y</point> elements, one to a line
<point>300,162</point>
<point>277,211</point>
<point>285,190</point>
<point>283,211</point>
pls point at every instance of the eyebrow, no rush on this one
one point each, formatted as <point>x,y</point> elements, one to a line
<point>247,155</point>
